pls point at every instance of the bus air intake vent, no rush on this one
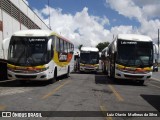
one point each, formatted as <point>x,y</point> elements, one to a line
<point>135,76</point>
<point>26,76</point>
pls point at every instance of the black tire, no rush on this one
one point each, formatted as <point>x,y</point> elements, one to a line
<point>112,72</point>
<point>104,69</point>
<point>107,72</point>
<point>51,81</point>
<point>54,79</point>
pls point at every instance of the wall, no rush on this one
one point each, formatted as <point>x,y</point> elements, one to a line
<point>16,15</point>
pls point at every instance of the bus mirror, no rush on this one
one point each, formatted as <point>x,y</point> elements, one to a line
<point>49,45</point>
<point>106,54</point>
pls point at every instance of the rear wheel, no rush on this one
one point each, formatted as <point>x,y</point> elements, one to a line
<point>68,72</point>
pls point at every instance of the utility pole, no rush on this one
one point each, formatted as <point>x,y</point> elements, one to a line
<point>158,46</point>
<point>49,15</point>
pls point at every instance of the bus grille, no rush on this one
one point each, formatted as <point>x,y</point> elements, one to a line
<point>26,76</point>
<point>134,76</point>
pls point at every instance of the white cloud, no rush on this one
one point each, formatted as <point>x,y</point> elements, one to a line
<point>89,30</point>
<point>126,8</point>
<point>80,28</point>
<point>142,10</point>
<point>122,29</point>
<point>151,11</point>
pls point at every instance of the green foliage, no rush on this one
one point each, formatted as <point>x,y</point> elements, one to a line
<point>101,45</point>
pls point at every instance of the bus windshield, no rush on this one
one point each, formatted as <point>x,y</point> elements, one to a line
<point>134,53</point>
<point>89,58</point>
<point>28,51</point>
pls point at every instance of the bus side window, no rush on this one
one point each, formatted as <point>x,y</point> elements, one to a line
<point>57,44</point>
<point>72,48</point>
<point>61,46</point>
<point>68,47</point>
<point>65,47</point>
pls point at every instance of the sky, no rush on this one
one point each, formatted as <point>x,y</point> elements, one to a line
<point>89,22</point>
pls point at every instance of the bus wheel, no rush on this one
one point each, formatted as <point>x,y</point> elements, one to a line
<point>54,79</point>
<point>51,81</point>
<point>104,69</point>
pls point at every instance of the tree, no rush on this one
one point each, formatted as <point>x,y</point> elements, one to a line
<point>101,45</point>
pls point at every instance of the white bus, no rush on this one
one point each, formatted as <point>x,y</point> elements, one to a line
<point>89,59</point>
<point>130,56</point>
<point>38,55</point>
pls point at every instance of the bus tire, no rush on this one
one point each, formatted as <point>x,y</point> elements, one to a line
<point>51,81</point>
<point>104,69</point>
<point>68,72</point>
<point>54,79</point>
<point>112,72</point>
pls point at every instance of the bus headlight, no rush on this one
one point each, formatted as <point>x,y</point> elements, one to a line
<point>39,69</point>
<point>20,69</point>
<point>133,69</point>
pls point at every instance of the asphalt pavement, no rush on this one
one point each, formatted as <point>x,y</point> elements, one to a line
<point>84,96</point>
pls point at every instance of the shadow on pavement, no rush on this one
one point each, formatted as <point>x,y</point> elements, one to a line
<point>104,79</point>
<point>3,70</point>
<point>18,83</point>
<point>27,83</point>
<point>153,100</point>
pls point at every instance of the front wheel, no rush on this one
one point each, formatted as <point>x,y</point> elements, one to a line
<point>112,72</point>
<point>54,79</point>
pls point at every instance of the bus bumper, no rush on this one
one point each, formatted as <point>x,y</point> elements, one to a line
<point>28,76</point>
<point>126,75</point>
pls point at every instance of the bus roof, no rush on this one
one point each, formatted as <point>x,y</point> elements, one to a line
<point>38,32</point>
<point>33,32</point>
<point>93,49</point>
<point>134,37</point>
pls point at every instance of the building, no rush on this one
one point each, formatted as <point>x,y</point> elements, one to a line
<point>16,15</point>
